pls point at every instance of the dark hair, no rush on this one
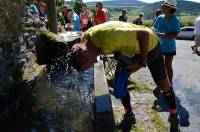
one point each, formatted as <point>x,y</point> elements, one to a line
<point>99,3</point>
<point>158,11</point>
<point>173,10</point>
<point>76,60</point>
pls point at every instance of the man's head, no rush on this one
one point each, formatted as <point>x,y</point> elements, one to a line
<point>141,14</point>
<point>84,6</point>
<point>81,57</point>
<point>42,6</point>
<point>99,5</point>
<point>124,12</point>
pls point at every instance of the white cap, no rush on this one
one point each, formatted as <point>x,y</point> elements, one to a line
<point>141,13</point>
<point>170,3</point>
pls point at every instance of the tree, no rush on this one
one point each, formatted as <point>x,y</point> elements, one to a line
<point>76,5</point>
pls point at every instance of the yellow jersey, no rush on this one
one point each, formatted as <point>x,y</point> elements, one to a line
<point>116,36</point>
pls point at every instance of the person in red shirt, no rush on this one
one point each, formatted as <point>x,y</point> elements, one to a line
<point>100,16</point>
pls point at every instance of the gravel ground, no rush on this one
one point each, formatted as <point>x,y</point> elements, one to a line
<point>186,84</point>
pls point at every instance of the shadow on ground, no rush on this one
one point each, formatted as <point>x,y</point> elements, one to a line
<point>161,106</point>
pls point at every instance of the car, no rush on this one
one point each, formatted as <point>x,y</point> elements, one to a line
<point>186,33</point>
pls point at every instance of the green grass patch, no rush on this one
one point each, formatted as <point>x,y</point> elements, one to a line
<point>139,86</point>
<point>158,122</point>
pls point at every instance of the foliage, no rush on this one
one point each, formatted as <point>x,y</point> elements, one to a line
<point>187,21</point>
<point>10,24</point>
<point>59,2</point>
<point>76,5</point>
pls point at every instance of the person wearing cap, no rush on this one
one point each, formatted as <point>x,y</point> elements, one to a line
<point>158,12</point>
<point>134,47</point>
<point>86,18</point>
<point>124,16</point>
<point>167,27</point>
<point>139,20</point>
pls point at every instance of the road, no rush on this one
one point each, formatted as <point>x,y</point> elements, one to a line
<point>186,85</point>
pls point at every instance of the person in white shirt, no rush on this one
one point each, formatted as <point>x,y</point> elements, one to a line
<point>196,35</point>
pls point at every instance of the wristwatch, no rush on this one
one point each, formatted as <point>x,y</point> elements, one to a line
<point>142,63</point>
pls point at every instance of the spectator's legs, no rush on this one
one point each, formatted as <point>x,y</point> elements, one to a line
<point>168,64</point>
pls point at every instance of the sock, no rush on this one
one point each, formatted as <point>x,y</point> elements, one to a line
<point>171,100</point>
<point>127,103</point>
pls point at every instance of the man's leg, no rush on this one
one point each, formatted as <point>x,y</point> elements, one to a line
<point>157,68</point>
<point>127,103</point>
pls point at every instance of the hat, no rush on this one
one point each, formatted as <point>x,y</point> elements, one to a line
<point>141,14</point>
<point>124,11</point>
<point>170,3</point>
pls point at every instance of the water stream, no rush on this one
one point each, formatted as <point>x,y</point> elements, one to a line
<point>60,102</point>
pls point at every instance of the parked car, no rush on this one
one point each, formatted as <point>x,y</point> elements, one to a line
<point>186,33</point>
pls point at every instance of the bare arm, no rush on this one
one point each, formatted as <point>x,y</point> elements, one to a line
<point>143,40</point>
<point>164,35</point>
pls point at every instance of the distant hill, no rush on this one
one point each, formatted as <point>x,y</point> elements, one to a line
<point>184,8</point>
<point>120,3</point>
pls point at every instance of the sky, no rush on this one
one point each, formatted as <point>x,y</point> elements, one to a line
<point>147,1</point>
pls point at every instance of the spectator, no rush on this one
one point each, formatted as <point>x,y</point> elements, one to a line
<point>139,20</point>
<point>72,22</point>
<point>168,27</point>
<point>33,7</point>
<point>196,34</point>
<point>86,18</point>
<point>100,16</point>
<point>64,12</point>
<point>158,12</point>
<point>42,13</point>
<point>124,16</point>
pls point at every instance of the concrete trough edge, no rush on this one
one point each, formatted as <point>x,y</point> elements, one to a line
<point>104,118</point>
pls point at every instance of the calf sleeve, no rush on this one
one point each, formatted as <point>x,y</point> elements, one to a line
<point>171,100</point>
<point>127,103</point>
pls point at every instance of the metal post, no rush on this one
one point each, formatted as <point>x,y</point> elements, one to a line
<point>52,19</point>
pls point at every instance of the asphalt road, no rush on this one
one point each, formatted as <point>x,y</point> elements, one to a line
<point>186,85</point>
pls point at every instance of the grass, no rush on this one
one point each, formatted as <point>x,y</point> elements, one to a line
<point>158,122</point>
<point>139,86</point>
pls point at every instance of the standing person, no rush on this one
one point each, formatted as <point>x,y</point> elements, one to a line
<point>72,22</point>
<point>139,20</point>
<point>124,16</point>
<point>64,12</point>
<point>134,47</point>
<point>100,16</point>
<point>86,18</point>
<point>196,34</point>
<point>42,13</point>
<point>33,7</point>
<point>158,12</point>
<point>168,27</point>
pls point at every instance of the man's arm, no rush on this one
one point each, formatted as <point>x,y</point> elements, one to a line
<point>143,40</point>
